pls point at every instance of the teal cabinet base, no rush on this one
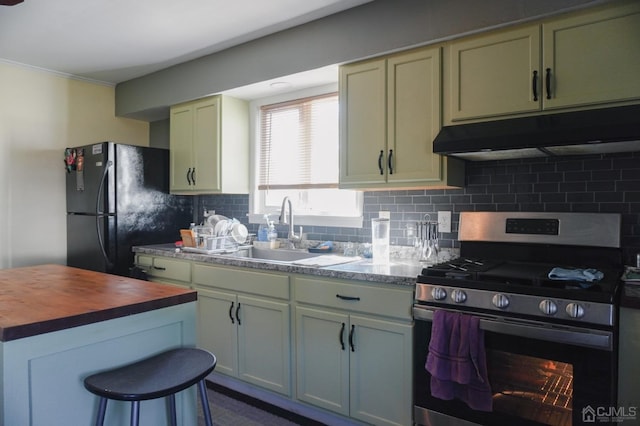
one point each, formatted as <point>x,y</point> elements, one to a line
<point>42,376</point>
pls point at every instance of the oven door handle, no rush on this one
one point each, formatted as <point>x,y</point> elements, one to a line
<point>534,329</point>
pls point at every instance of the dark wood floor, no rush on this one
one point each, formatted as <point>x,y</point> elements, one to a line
<point>230,408</point>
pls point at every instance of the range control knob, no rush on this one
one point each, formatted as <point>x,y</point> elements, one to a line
<point>458,296</point>
<point>438,293</point>
<point>548,307</point>
<point>500,301</point>
<point>574,310</point>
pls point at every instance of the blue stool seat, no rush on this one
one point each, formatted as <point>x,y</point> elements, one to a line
<point>161,375</point>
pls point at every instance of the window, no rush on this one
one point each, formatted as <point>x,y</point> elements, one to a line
<point>297,156</point>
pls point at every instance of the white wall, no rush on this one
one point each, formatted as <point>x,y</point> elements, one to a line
<point>41,113</point>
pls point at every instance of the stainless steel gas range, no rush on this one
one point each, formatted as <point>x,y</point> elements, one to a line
<point>544,289</point>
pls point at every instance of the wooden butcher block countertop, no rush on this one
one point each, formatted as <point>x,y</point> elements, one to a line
<point>41,299</point>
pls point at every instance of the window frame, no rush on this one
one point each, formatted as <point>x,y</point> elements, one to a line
<point>255,198</point>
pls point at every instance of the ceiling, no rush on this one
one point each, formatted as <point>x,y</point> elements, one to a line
<point>112,41</point>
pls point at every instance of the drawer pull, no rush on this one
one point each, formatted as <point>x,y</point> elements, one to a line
<point>390,161</point>
<point>159,268</point>
<point>342,336</point>
<point>237,314</point>
<point>548,83</point>
<point>380,162</point>
<point>353,349</point>
<point>347,297</point>
<point>534,85</point>
<point>231,313</point>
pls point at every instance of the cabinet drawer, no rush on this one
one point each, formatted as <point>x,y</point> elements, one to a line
<point>247,281</point>
<point>363,298</point>
<point>170,269</point>
<point>143,261</point>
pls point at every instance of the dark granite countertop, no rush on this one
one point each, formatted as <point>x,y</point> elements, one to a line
<point>397,272</point>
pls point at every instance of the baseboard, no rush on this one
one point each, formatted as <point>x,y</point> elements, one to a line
<point>276,404</point>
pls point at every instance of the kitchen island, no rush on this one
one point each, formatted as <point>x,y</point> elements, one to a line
<point>60,324</point>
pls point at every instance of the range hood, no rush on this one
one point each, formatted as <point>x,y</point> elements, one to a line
<point>595,131</point>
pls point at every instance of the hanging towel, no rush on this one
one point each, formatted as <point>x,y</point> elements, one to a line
<point>457,360</point>
<point>588,275</point>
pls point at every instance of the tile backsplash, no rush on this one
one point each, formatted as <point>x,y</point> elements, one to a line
<point>607,183</point>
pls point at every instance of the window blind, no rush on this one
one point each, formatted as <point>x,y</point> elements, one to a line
<point>299,144</point>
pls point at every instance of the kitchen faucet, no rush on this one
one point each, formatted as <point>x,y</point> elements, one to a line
<point>284,220</point>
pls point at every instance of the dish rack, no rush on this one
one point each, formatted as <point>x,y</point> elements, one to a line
<point>204,241</point>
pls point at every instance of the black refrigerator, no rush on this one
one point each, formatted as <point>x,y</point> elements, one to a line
<point>118,197</point>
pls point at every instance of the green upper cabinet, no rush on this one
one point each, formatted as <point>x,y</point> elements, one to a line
<point>209,146</point>
<point>492,74</point>
<point>593,58</point>
<point>362,123</point>
<point>582,60</point>
<point>389,116</point>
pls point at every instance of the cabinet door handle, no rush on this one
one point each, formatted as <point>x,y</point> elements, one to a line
<point>380,162</point>
<point>339,296</point>
<point>548,83</point>
<point>193,175</point>
<point>534,85</point>
<point>390,161</point>
<point>237,314</point>
<point>159,268</point>
<point>189,176</point>
<point>353,349</point>
<point>342,336</point>
<point>231,313</point>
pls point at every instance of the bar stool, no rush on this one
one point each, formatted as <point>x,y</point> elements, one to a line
<point>162,375</point>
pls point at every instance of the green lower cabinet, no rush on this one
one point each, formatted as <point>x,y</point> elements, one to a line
<point>165,271</point>
<point>249,335</point>
<point>264,342</point>
<point>323,359</point>
<point>381,371</point>
<point>244,318</point>
<point>357,366</point>
<point>217,330</point>
<point>628,366</point>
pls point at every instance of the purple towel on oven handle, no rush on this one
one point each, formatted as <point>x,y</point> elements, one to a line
<point>457,360</point>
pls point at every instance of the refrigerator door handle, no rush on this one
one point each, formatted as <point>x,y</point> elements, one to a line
<point>101,242</point>
<point>101,187</point>
<point>101,215</point>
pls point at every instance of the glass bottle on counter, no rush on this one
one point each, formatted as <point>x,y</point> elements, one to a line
<point>272,233</point>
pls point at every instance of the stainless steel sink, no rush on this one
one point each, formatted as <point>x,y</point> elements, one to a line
<point>273,255</point>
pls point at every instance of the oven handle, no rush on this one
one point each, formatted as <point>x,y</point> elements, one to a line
<point>534,329</point>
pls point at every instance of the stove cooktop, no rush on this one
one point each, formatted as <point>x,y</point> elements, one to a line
<point>521,278</point>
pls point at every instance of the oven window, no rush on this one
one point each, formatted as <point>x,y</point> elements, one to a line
<point>536,389</point>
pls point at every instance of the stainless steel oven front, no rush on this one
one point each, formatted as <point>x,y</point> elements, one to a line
<point>540,373</point>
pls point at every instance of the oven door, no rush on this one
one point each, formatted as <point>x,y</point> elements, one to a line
<point>539,374</point>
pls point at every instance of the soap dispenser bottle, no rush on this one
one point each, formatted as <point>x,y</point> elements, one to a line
<point>272,234</point>
<point>263,229</point>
